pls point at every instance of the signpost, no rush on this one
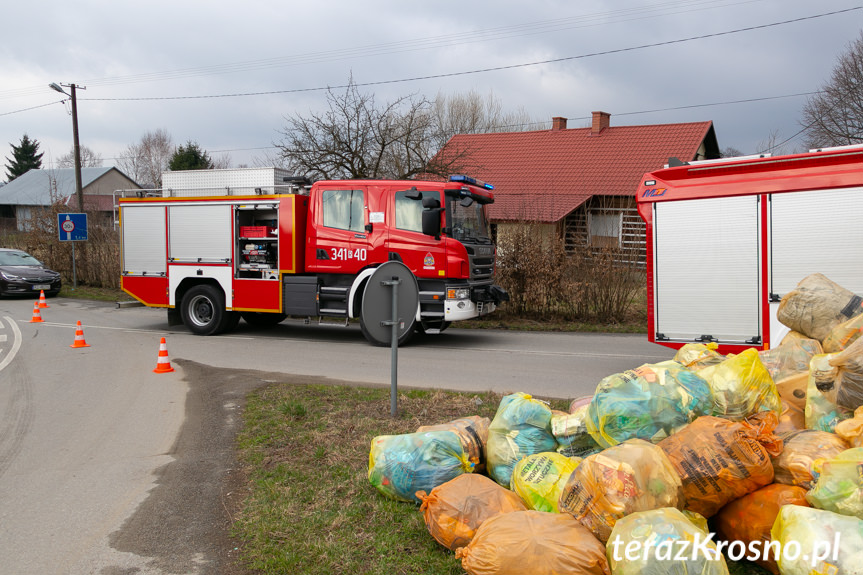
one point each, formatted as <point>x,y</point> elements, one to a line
<point>72,228</point>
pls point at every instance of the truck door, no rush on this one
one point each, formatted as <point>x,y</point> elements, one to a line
<point>707,270</point>
<point>339,241</point>
<point>424,255</point>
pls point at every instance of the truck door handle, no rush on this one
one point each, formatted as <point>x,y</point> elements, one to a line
<point>322,254</point>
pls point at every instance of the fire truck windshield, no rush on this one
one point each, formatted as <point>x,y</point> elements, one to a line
<point>469,223</point>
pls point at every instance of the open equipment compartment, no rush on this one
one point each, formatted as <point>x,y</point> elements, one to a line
<point>257,247</point>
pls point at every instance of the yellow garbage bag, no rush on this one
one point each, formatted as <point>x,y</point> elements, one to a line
<point>697,355</point>
<point>825,542</point>
<point>521,427</point>
<point>659,535</point>
<point>635,475</point>
<point>839,487</point>
<point>533,542</point>
<point>539,479</point>
<point>844,334</point>
<point>789,358</point>
<point>822,413</point>
<point>741,387</point>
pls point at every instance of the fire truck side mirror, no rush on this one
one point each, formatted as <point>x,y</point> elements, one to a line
<point>414,194</point>
<point>431,222</point>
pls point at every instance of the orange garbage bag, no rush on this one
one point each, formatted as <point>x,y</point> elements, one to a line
<point>533,542</point>
<point>795,465</point>
<point>851,430</point>
<point>635,475</point>
<point>455,510</point>
<point>720,460</point>
<point>751,517</point>
<point>844,334</point>
<point>791,420</point>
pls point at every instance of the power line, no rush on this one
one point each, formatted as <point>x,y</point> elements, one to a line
<point>484,70</point>
<point>655,10</point>
<point>33,107</point>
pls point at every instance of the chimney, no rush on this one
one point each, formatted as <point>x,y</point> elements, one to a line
<point>601,120</point>
<point>558,123</point>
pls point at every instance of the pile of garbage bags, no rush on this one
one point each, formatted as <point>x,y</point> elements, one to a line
<point>759,450</point>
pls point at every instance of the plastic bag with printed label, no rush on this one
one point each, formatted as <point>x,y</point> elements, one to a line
<point>844,334</point>
<point>401,465</point>
<point>851,430</point>
<point>539,479</point>
<point>533,542</point>
<point>521,427</point>
<point>789,358</point>
<point>720,460</point>
<point>473,433</point>
<point>817,305</point>
<point>570,430</point>
<point>741,387</point>
<point>839,487</point>
<point>455,510</point>
<point>661,532</point>
<point>796,464</point>
<point>697,355</point>
<point>751,517</point>
<point>650,402</point>
<point>827,542</point>
<point>822,413</point>
<point>635,475</point>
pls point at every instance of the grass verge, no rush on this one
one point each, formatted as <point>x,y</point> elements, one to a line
<point>310,508</point>
<point>94,293</point>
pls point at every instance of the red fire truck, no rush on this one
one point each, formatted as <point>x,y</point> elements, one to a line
<point>211,260</point>
<point>726,239</point>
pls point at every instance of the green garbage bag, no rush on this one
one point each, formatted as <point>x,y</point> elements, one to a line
<point>401,465</point>
<point>650,402</point>
<point>521,427</point>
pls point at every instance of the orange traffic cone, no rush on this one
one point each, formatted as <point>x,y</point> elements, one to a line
<point>37,315</point>
<point>79,337</point>
<point>42,302</point>
<point>163,365</point>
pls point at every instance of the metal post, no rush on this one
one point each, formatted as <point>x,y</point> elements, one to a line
<point>394,345</point>
<point>74,271</point>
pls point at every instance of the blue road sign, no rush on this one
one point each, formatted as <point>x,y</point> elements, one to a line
<point>72,227</point>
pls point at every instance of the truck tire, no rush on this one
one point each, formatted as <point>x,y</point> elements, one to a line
<point>262,319</point>
<point>203,310</point>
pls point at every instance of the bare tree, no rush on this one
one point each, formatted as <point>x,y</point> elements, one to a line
<point>89,159</point>
<point>834,117</point>
<point>356,138</point>
<point>145,161</point>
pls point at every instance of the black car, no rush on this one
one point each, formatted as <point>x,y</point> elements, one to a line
<point>21,273</point>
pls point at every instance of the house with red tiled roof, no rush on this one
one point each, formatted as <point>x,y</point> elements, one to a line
<point>580,182</point>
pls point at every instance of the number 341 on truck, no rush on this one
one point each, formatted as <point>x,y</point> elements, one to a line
<point>211,260</point>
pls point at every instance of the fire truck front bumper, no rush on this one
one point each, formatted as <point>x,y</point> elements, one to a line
<point>474,302</point>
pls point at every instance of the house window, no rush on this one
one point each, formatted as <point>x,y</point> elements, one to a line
<point>604,229</point>
<point>343,209</point>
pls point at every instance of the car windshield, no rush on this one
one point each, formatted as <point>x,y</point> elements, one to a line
<point>15,258</point>
<point>469,224</point>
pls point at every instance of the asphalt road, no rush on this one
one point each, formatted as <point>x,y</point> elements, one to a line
<point>109,468</point>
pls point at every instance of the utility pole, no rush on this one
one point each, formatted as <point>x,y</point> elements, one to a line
<point>79,190</point>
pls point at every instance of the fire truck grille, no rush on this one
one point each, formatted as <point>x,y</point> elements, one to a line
<point>481,267</point>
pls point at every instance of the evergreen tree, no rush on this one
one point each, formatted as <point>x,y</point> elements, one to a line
<point>25,157</point>
<point>190,157</point>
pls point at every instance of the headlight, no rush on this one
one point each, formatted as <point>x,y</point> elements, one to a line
<point>458,293</point>
<point>8,276</point>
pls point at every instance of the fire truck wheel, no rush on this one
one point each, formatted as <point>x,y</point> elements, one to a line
<point>376,342</point>
<point>204,310</point>
<point>262,319</point>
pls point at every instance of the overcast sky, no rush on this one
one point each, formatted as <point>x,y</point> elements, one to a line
<point>179,65</point>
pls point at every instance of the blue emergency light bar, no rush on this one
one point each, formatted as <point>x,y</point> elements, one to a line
<point>471,181</point>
